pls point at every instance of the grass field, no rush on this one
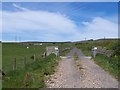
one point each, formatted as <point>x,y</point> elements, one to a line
<point>35,74</point>
<point>18,51</point>
<point>15,50</point>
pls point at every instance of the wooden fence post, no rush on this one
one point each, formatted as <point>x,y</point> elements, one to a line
<point>34,58</point>
<point>14,64</point>
<point>44,54</point>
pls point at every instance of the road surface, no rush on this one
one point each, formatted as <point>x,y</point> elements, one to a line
<point>90,76</point>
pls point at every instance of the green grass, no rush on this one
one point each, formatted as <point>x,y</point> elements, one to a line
<point>0,64</point>
<point>15,50</point>
<point>0,55</point>
<point>86,47</point>
<point>76,57</point>
<point>64,52</point>
<point>109,64</point>
<point>37,70</point>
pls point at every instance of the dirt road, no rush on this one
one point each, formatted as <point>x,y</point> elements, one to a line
<point>91,76</point>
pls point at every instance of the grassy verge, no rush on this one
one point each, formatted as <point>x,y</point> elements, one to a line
<point>109,64</point>
<point>64,52</point>
<point>33,76</point>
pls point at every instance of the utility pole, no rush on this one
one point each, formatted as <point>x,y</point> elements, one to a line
<point>104,37</point>
<point>19,38</point>
<point>15,38</point>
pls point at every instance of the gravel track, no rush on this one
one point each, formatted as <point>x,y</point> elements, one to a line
<point>91,76</point>
<point>67,76</point>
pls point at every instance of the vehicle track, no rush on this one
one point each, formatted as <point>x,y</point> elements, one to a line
<point>91,76</point>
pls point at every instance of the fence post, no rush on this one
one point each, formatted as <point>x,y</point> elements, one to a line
<point>25,62</point>
<point>34,58</point>
<point>94,51</point>
<point>45,54</point>
<point>14,64</point>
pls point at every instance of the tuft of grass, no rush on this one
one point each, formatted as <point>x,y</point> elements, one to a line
<point>109,64</point>
<point>78,61</point>
<point>76,57</point>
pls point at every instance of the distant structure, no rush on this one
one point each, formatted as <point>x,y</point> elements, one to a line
<point>38,44</point>
<point>17,39</point>
<point>31,43</point>
<point>52,49</point>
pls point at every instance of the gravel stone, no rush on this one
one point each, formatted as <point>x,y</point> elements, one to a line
<point>91,76</point>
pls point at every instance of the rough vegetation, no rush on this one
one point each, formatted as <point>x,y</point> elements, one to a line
<point>110,64</point>
<point>32,76</point>
<point>87,46</point>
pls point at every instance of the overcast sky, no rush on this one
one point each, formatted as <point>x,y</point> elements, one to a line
<point>60,21</point>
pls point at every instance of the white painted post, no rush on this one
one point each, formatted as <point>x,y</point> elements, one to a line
<point>94,52</point>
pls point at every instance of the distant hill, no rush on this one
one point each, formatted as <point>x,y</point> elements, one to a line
<point>99,40</point>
